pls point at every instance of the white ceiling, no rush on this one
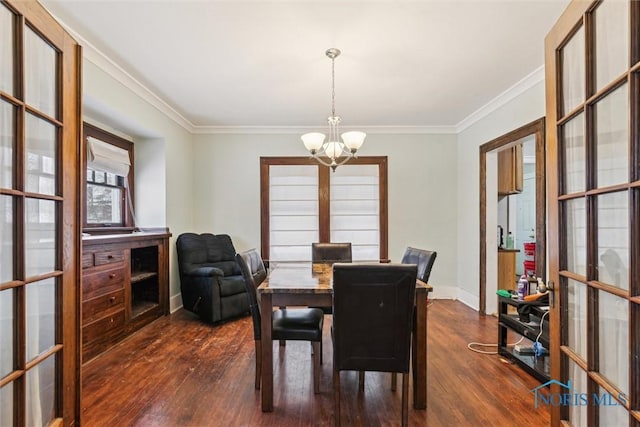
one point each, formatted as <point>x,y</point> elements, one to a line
<point>262,62</point>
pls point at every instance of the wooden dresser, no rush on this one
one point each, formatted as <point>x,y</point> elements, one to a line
<point>125,286</point>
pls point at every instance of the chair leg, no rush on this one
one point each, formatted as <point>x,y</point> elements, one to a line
<point>394,381</point>
<point>258,364</point>
<point>361,380</point>
<point>405,399</point>
<point>316,367</point>
<point>336,395</point>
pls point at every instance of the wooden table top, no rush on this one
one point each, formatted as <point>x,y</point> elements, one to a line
<point>305,278</point>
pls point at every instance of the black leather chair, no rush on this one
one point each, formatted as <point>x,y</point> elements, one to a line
<point>423,259</point>
<point>372,322</point>
<point>300,324</point>
<point>211,282</point>
<point>328,253</point>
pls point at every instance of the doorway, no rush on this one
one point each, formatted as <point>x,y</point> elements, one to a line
<point>494,195</point>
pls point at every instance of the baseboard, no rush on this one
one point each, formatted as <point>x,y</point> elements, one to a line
<point>443,292</point>
<point>469,299</point>
<point>175,303</point>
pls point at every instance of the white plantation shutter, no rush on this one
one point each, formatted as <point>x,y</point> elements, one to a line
<point>355,210</point>
<point>293,212</point>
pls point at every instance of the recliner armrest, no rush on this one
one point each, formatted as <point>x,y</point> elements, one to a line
<point>204,272</point>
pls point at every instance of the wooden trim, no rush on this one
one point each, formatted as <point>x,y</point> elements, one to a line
<point>483,232</point>
<point>95,132</point>
<point>324,205</point>
<point>324,197</point>
<point>537,129</point>
<point>264,208</point>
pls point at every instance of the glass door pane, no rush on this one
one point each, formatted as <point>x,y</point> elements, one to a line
<point>7,143</point>
<point>42,147</point>
<point>611,41</point>
<point>577,318</point>
<point>573,72</point>
<point>612,138</point>
<point>6,239</point>
<point>576,236</point>
<point>613,328</point>
<point>613,239</point>
<point>578,378</point>
<point>6,335</point>
<point>7,43</point>
<point>41,77</point>
<point>574,153</point>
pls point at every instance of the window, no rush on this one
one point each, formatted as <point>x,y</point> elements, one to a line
<point>304,202</point>
<point>108,181</point>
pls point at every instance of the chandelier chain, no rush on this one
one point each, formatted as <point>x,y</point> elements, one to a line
<point>333,87</point>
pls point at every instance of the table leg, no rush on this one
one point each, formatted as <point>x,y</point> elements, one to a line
<point>266,309</point>
<point>419,350</point>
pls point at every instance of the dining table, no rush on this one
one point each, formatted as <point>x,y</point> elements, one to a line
<point>306,284</point>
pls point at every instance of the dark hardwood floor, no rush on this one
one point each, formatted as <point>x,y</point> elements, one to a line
<point>179,371</point>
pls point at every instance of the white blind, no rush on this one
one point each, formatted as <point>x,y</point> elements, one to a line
<point>355,210</point>
<point>105,157</point>
<point>293,212</point>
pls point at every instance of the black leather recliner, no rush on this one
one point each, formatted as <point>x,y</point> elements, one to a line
<point>211,282</point>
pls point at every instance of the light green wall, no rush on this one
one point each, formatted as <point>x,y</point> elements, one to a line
<point>422,187</point>
<point>163,157</point>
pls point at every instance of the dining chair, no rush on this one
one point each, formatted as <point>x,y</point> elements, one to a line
<point>328,253</point>
<point>424,259</point>
<point>373,308</point>
<point>299,324</point>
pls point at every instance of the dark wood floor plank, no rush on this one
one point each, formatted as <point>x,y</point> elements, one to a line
<point>179,371</point>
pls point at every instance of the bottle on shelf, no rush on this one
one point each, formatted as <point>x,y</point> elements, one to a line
<point>509,240</point>
<point>523,287</point>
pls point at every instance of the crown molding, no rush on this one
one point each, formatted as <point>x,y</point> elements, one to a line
<point>98,58</point>
<point>532,79</point>
<point>283,130</point>
<point>102,61</point>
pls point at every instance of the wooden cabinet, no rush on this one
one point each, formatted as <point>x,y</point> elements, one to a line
<point>125,285</point>
<point>510,170</point>
<point>507,268</point>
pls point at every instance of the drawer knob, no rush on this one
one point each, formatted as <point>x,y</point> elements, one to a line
<point>111,320</point>
<point>112,275</point>
<point>110,256</point>
<point>112,299</point>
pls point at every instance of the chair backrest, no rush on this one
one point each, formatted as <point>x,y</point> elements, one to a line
<point>423,259</point>
<point>206,249</point>
<point>254,273</point>
<point>328,253</point>
<point>373,308</point>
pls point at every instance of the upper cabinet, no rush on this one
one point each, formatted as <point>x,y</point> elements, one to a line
<point>510,171</point>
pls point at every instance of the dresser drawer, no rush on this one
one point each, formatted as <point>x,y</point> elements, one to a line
<point>98,307</point>
<point>108,257</point>
<point>87,260</point>
<point>102,282</point>
<point>109,326</point>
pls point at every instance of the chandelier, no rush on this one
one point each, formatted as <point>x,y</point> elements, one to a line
<point>335,151</point>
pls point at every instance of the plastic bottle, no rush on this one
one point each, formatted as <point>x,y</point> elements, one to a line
<point>523,287</point>
<point>509,241</point>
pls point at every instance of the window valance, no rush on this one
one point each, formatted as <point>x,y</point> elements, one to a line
<point>106,157</point>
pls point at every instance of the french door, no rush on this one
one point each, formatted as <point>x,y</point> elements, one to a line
<point>39,227</point>
<point>593,155</point>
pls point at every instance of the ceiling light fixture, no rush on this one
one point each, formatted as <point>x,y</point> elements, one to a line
<point>334,152</point>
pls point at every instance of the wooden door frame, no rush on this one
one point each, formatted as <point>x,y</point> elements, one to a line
<point>537,129</point>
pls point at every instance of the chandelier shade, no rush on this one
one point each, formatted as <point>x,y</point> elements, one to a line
<point>337,150</point>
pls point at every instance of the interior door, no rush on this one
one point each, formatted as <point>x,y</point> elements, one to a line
<point>39,227</point>
<point>593,108</point>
